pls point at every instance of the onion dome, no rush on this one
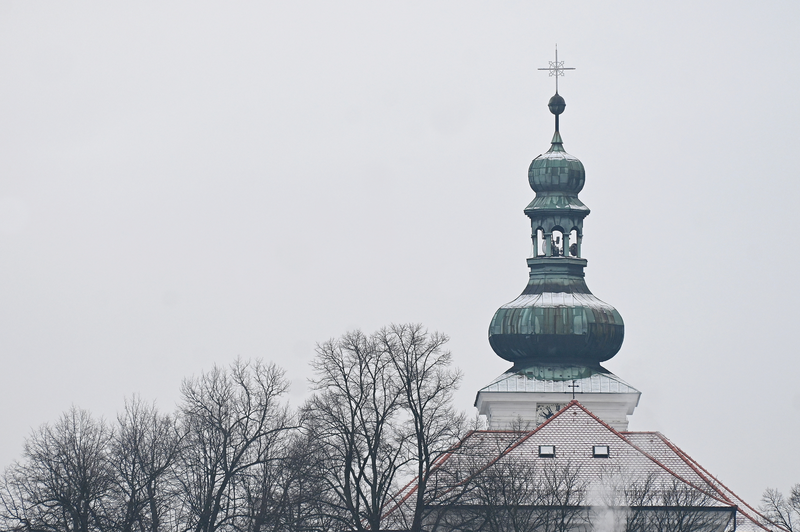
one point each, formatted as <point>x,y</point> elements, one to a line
<point>556,319</point>
<point>556,170</point>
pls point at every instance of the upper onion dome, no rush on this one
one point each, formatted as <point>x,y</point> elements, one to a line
<point>556,170</point>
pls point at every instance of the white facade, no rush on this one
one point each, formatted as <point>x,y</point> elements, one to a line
<point>521,401</point>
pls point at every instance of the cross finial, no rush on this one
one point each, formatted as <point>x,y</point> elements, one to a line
<point>556,68</point>
<point>573,386</point>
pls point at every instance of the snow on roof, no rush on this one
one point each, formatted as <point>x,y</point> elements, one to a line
<point>596,383</point>
<point>669,454</point>
<point>574,431</point>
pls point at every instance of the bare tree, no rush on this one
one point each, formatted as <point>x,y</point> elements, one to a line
<point>780,510</point>
<point>508,494</point>
<point>522,496</point>
<point>631,502</point>
<point>687,509</point>
<point>563,492</point>
<point>144,449</point>
<point>492,492</point>
<point>427,383</point>
<point>232,421</point>
<point>64,479</point>
<point>353,417</point>
<point>287,495</point>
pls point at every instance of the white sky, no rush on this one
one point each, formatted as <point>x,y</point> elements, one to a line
<point>184,183</point>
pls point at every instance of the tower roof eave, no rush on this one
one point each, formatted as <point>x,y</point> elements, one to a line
<point>557,379</point>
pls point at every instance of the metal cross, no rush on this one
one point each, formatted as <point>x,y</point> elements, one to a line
<point>573,386</point>
<point>556,68</point>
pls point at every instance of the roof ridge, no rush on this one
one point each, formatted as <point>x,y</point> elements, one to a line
<point>438,463</point>
<point>646,454</point>
<point>692,465</point>
<point>691,462</point>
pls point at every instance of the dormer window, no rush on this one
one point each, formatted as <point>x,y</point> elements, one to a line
<point>547,451</point>
<point>600,451</point>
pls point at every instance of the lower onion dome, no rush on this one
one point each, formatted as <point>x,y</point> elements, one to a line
<point>556,321</point>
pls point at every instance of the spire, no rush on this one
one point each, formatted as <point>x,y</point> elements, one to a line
<point>556,144</point>
<point>556,319</point>
<point>556,103</point>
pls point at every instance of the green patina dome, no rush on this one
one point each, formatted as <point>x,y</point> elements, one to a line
<point>556,319</point>
<point>556,170</point>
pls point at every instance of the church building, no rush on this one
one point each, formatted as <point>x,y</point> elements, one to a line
<point>557,454</point>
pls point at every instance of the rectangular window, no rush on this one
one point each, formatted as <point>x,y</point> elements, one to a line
<point>600,451</point>
<point>547,451</point>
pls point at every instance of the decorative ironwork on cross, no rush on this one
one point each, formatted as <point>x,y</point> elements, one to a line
<point>556,68</point>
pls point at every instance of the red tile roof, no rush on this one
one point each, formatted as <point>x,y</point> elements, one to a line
<point>574,430</point>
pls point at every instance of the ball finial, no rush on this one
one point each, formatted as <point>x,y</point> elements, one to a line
<point>557,104</point>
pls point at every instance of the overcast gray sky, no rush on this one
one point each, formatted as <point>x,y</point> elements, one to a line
<point>185,183</point>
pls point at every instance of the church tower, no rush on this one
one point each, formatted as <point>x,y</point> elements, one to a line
<point>558,449</point>
<point>556,333</point>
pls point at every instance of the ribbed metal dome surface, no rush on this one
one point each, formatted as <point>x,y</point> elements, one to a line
<point>556,319</point>
<point>556,170</point>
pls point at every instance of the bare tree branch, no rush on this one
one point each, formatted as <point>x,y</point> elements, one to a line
<point>232,421</point>
<point>353,417</point>
<point>64,479</point>
<point>428,383</point>
<point>144,450</point>
<point>782,511</point>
